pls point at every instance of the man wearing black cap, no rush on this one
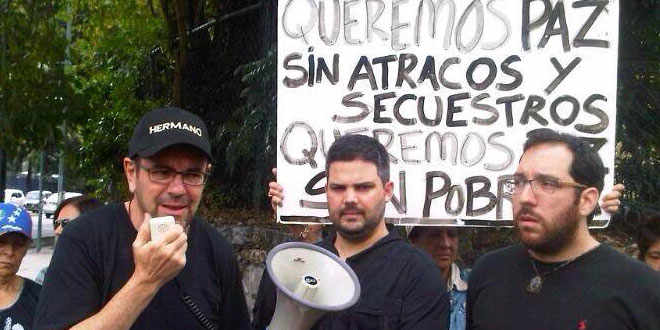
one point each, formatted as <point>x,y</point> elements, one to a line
<point>107,273</point>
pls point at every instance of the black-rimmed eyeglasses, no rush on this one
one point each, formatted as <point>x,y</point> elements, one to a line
<point>166,175</point>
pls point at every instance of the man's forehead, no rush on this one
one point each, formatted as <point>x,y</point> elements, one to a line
<point>179,154</point>
<point>550,159</point>
<point>353,170</point>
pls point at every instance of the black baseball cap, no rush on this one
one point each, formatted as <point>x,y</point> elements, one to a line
<point>164,127</point>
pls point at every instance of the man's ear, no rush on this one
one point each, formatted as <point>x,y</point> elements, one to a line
<point>588,201</point>
<point>130,170</point>
<point>389,190</point>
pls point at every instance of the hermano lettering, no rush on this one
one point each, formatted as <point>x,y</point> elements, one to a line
<point>172,125</point>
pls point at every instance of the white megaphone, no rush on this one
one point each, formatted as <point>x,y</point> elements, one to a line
<point>310,281</point>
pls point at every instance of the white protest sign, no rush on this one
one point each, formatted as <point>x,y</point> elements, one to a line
<point>450,87</point>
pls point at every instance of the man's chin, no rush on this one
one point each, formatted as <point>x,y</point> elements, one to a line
<point>530,238</point>
<point>541,244</point>
<point>183,221</point>
<point>353,233</point>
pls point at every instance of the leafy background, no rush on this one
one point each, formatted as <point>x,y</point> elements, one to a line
<point>78,95</point>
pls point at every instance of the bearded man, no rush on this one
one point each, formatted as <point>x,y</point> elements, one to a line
<point>401,288</point>
<point>560,276</point>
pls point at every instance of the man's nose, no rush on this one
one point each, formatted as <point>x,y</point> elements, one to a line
<point>444,240</point>
<point>526,195</point>
<point>350,197</point>
<point>177,186</point>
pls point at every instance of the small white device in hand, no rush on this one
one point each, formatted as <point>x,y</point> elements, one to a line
<point>159,226</point>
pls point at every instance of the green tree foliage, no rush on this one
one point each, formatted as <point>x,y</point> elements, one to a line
<point>34,92</point>
<point>255,125</point>
<point>120,72</point>
<point>213,40</point>
<point>638,120</point>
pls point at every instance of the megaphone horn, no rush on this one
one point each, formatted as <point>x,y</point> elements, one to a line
<point>310,281</point>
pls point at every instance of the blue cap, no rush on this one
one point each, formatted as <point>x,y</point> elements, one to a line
<point>14,218</point>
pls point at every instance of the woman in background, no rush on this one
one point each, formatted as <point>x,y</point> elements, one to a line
<point>67,211</point>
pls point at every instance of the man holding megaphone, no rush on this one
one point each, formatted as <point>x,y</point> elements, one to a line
<point>401,288</point>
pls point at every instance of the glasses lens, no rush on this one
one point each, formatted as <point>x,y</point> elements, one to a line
<point>545,185</point>
<point>194,178</point>
<point>60,222</point>
<point>510,186</point>
<point>161,174</point>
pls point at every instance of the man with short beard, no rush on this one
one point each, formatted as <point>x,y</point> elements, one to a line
<point>560,277</point>
<point>401,286</point>
<point>108,273</point>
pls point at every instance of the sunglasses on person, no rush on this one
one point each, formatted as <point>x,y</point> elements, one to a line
<point>61,222</point>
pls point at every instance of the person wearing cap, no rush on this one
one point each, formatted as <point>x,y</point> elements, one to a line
<point>107,273</point>
<point>18,295</point>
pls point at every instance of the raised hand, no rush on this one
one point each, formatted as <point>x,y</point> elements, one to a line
<point>611,201</point>
<point>275,192</point>
<point>157,262</point>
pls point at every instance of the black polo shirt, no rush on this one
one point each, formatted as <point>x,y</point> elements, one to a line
<point>401,289</point>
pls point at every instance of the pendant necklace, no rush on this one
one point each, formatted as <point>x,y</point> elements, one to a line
<point>536,283</point>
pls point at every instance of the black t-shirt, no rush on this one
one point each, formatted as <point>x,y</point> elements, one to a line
<point>94,259</point>
<point>20,314</point>
<point>602,289</point>
<point>401,288</point>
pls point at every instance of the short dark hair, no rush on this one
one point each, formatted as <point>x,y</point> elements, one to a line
<point>354,147</point>
<point>648,234</point>
<point>587,168</point>
<point>83,203</point>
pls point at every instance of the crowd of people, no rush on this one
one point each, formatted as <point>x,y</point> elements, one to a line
<point>107,273</point>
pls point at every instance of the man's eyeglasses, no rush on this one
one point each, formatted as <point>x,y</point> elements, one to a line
<point>547,185</point>
<point>166,175</point>
<point>61,222</point>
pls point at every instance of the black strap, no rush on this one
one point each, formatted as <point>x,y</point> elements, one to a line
<point>193,308</point>
<point>187,299</point>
